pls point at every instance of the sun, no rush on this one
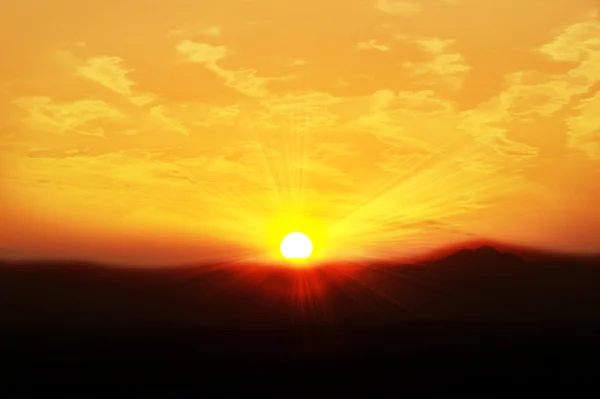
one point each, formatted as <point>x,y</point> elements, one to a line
<point>296,245</point>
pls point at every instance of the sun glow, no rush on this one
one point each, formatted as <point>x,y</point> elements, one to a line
<point>216,139</point>
<point>296,245</point>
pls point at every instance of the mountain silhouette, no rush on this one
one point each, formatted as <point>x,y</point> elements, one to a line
<point>482,255</point>
<point>475,285</point>
<point>463,309</point>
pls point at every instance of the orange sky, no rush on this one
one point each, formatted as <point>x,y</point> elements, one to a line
<point>147,131</point>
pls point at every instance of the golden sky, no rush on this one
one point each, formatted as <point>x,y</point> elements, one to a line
<point>166,131</point>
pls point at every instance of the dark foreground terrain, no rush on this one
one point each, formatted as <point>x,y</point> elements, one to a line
<point>475,320</point>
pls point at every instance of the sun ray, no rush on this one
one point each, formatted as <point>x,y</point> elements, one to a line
<point>231,132</point>
<point>369,289</point>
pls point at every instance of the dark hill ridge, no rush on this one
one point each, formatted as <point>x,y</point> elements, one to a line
<point>483,255</point>
<point>477,311</point>
<point>480,285</point>
<point>526,254</point>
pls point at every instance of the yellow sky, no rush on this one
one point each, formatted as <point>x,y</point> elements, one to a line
<point>158,131</point>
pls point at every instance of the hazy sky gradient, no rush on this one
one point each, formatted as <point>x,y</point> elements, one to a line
<point>155,131</point>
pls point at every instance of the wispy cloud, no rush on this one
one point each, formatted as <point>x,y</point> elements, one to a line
<point>371,45</point>
<point>110,73</point>
<point>395,7</point>
<point>245,81</point>
<point>77,117</point>
<point>445,64</point>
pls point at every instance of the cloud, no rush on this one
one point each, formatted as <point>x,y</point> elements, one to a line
<point>404,8</point>
<point>306,111</point>
<point>110,73</point>
<point>101,172</point>
<point>296,62</point>
<point>332,174</point>
<point>158,171</point>
<point>245,81</point>
<point>105,189</point>
<point>371,45</point>
<point>479,162</point>
<point>264,166</point>
<point>164,115</point>
<point>244,160</point>
<point>423,102</point>
<point>584,127</point>
<point>81,117</point>
<point>415,103</point>
<point>306,101</point>
<point>212,30</point>
<point>422,122</point>
<point>486,124</point>
<point>207,116</point>
<point>507,147</point>
<point>579,43</point>
<point>445,65</point>
<point>222,165</point>
<point>143,99</point>
<point>433,45</point>
<point>398,117</point>
<point>576,42</point>
<point>209,30</point>
<point>159,114</point>
<point>382,99</point>
<point>94,117</point>
<point>326,151</point>
<point>201,53</point>
<point>530,93</point>
<point>398,161</point>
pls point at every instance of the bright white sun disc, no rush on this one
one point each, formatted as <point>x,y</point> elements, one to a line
<point>296,246</point>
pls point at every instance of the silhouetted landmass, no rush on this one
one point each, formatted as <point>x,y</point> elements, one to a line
<point>471,306</point>
<point>482,256</point>
<point>471,285</point>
